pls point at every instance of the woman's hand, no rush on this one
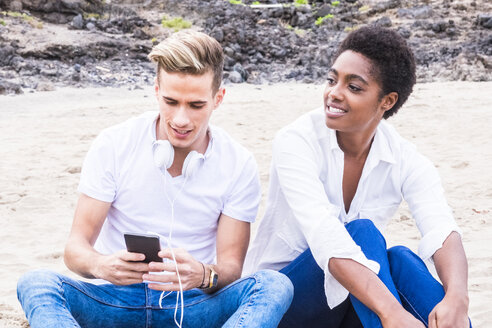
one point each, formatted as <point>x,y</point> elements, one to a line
<point>451,312</point>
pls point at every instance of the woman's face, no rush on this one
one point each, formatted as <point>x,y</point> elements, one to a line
<point>352,95</point>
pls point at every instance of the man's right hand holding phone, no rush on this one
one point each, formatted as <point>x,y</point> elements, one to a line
<point>121,268</point>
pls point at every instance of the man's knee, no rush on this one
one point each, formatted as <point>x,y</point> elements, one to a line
<point>37,280</point>
<point>277,286</point>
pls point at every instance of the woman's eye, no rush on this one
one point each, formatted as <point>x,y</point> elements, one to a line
<point>331,81</point>
<point>354,88</point>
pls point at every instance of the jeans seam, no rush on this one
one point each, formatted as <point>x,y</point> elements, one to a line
<point>209,296</point>
<point>65,303</point>
<point>413,308</point>
<point>240,319</point>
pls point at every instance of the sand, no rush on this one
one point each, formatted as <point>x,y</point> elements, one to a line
<point>44,138</point>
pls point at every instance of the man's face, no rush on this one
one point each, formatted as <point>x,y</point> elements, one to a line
<point>186,103</point>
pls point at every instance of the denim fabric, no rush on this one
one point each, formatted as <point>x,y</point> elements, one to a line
<point>52,300</point>
<point>402,271</point>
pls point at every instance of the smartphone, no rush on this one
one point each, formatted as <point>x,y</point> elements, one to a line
<point>146,244</point>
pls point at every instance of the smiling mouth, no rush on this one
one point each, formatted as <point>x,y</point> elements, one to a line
<point>334,110</point>
<point>180,132</point>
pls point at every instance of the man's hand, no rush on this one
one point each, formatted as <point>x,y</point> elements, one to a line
<point>190,271</point>
<point>451,312</point>
<point>121,268</point>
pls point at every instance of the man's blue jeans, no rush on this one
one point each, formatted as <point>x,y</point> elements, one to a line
<point>402,271</point>
<point>52,300</point>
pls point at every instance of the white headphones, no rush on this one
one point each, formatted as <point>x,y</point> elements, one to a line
<point>164,157</point>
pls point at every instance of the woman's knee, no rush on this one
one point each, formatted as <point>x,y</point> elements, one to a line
<point>364,231</point>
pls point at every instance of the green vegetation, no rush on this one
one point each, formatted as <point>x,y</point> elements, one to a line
<point>25,17</point>
<point>153,40</point>
<point>298,3</point>
<point>364,8</point>
<point>2,22</point>
<point>300,32</point>
<point>256,3</point>
<point>176,23</point>
<point>335,3</point>
<point>236,2</point>
<point>320,20</point>
<point>92,15</point>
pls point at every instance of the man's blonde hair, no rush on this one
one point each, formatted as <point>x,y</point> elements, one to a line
<point>190,52</point>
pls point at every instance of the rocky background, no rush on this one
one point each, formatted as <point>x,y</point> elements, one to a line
<point>50,43</point>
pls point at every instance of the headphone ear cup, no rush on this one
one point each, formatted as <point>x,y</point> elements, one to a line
<point>163,154</point>
<point>192,163</point>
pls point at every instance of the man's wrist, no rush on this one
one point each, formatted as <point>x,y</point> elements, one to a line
<point>206,277</point>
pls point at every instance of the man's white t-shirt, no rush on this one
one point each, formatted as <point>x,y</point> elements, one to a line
<point>119,169</point>
<point>305,207</point>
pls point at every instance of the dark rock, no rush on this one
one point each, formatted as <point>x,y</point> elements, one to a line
<point>235,77</point>
<point>77,67</point>
<point>91,26</point>
<point>404,32</point>
<point>422,12</point>
<point>384,21</point>
<point>239,68</point>
<point>15,5</point>
<point>485,20</point>
<point>218,35</point>
<point>9,87</point>
<point>439,27</point>
<point>78,22</point>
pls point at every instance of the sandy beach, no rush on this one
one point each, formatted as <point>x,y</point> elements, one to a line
<point>45,136</point>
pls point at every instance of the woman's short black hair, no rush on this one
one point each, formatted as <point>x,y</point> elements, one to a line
<point>393,61</point>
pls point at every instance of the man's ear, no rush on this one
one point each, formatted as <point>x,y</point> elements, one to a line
<point>389,101</point>
<point>219,97</point>
<point>156,87</point>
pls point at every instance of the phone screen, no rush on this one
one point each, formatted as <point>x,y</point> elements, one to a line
<point>148,245</point>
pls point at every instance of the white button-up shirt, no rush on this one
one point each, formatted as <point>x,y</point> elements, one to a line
<point>305,207</point>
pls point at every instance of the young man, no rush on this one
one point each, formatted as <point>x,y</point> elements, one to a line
<point>338,175</point>
<point>172,174</point>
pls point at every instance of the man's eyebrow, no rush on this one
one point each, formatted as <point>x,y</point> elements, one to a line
<point>332,70</point>
<point>195,102</point>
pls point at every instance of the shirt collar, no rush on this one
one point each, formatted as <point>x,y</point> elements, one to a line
<point>380,149</point>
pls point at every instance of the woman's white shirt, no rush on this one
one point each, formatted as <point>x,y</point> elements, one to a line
<point>305,206</point>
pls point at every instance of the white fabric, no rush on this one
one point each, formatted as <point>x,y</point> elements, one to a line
<point>119,168</point>
<point>305,206</point>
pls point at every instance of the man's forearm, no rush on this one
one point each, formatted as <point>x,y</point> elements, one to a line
<point>81,258</point>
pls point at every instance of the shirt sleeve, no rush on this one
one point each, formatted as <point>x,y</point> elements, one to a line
<point>245,195</point>
<point>296,162</point>
<point>97,179</point>
<point>422,190</point>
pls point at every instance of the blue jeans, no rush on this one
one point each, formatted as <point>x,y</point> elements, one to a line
<point>402,271</point>
<point>52,300</point>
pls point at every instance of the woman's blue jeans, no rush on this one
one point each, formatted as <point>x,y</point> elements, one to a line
<point>52,300</point>
<point>402,271</point>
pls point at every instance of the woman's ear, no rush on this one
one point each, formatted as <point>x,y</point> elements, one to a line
<point>389,101</point>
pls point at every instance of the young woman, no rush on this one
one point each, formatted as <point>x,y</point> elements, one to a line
<point>338,175</point>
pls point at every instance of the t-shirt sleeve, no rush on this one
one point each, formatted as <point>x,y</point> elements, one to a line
<point>424,194</point>
<point>244,198</point>
<point>97,179</point>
